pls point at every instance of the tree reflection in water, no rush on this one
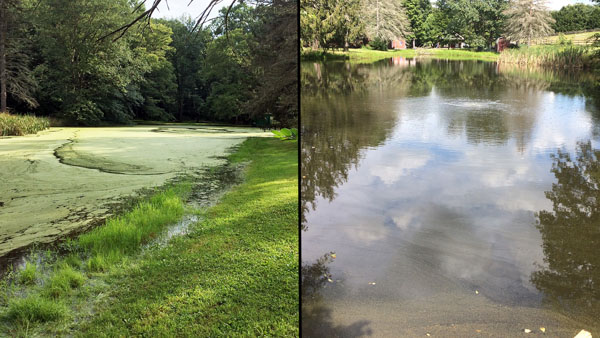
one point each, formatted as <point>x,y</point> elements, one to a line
<point>316,316</point>
<point>571,235</point>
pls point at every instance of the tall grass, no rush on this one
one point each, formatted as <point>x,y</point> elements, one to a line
<point>555,56</point>
<point>18,125</point>
<point>123,235</point>
<point>39,297</point>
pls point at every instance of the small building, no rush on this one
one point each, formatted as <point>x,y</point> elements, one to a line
<point>502,44</point>
<point>399,44</point>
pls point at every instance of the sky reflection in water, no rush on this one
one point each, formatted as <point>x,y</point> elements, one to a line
<point>426,178</point>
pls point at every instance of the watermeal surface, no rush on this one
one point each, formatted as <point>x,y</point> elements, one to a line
<point>450,198</point>
<point>60,180</point>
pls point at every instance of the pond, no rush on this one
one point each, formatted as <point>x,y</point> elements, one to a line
<point>449,198</point>
<point>63,180</point>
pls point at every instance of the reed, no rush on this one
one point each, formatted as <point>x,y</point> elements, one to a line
<point>18,125</point>
<point>555,56</point>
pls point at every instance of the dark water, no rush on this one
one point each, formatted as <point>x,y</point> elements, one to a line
<point>454,198</point>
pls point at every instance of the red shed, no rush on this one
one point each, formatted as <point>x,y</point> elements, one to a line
<point>502,44</point>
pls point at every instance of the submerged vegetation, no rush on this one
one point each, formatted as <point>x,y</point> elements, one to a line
<point>236,272</point>
<point>19,125</point>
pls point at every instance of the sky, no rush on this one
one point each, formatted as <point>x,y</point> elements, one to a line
<point>558,4</point>
<point>177,8</point>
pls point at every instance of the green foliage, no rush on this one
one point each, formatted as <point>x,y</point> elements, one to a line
<point>62,280</point>
<point>379,44</point>
<point>477,23</point>
<point>235,274</point>
<point>417,12</point>
<point>34,308</point>
<point>563,40</point>
<point>576,17</point>
<point>286,134</point>
<point>555,56</point>
<point>21,124</point>
<point>29,274</point>
<point>123,235</point>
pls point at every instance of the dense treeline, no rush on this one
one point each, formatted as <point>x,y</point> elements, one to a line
<point>576,17</point>
<point>61,62</point>
<point>474,23</point>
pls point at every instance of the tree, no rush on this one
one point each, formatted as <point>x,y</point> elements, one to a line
<point>476,22</point>
<point>571,232</point>
<point>276,63</point>
<point>417,12</point>
<point>385,19</point>
<point>528,19</point>
<point>86,79</point>
<point>576,17</point>
<point>16,77</point>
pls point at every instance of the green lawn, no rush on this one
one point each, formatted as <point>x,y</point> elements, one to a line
<point>234,274</point>
<point>364,55</point>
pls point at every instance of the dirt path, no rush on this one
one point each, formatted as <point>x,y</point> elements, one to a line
<point>62,179</point>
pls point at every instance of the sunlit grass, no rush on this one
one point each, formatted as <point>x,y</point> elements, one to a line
<point>19,125</point>
<point>235,274</point>
<point>556,56</point>
<point>365,55</point>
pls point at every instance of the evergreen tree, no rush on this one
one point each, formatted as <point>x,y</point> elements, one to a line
<point>417,12</point>
<point>528,19</point>
<point>385,19</point>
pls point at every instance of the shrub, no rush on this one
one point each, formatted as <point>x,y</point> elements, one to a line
<point>379,44</point>
<point>29,274</point>
<point>63,280</point>
<point>18,125</point>
<point>34,309</point>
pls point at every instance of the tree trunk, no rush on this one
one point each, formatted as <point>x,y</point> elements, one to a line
<point>3,77</point>
<point>414,43</point>
<point>346,44</point>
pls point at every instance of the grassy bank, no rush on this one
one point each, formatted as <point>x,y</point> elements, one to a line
<point>234,273</point>
<point>364,55</point>
<point>555,56</point>
<point>18,125</point>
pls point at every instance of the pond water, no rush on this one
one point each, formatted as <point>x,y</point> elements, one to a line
<point>62,180</point>
<point>449,198</point>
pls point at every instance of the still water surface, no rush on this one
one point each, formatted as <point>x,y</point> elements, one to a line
<point>454,198</point>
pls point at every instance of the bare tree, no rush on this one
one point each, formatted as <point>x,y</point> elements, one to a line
<point>527,19</point>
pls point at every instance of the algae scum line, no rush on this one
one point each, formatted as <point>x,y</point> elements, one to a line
<point>64,181</point>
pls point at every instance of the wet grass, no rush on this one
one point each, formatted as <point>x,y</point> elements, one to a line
<point>123,235</point>
<point>235,274</point>
<point>18,125</point>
